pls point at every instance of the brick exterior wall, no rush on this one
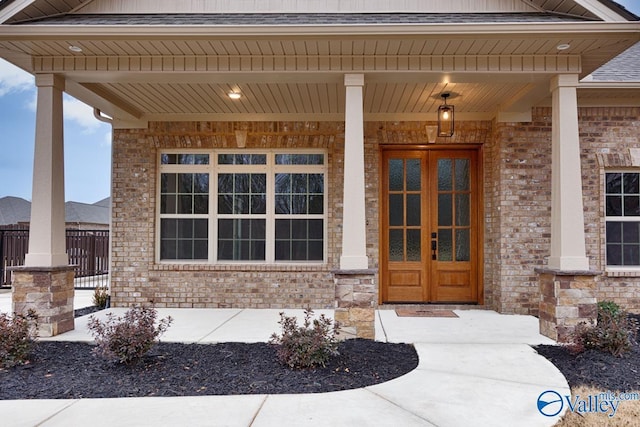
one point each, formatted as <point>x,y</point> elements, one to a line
<point>517,200</point>
<point>520,215</point>
<point>135,276</point>
<point>610,138</point>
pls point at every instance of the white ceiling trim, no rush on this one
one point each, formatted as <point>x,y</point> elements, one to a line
<point>13,8</point>
<point>600,10</point>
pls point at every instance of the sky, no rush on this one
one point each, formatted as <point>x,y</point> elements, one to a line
<point>87,140</point>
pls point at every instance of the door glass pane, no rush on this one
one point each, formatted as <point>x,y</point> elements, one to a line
<point>463,214</point>
<point>445,245</point>
<point>413,174</point>
<point>396,245</point>
<point>413,209</point>
<point>396,173</point>
<point>396,209</point>
<point>445,175</point>
<point>413,245</point>
<point>462,174</point>
<point>463,247</point>
<point>445,209</point>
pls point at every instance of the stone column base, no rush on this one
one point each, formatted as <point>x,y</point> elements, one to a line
<point>567,298</point>
<point>49,292</point>
<point>356,302</point>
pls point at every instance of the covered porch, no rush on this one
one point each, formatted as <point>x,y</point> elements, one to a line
<point>346,89</point>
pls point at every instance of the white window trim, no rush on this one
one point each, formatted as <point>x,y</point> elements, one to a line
<point>617,268</point>
<point>214,169</point>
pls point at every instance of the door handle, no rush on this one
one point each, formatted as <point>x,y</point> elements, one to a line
<point>434,246</point>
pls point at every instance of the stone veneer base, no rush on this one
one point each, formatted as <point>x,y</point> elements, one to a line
<point>567,298</point>
<point>49,291</point>
<point>356,301</point>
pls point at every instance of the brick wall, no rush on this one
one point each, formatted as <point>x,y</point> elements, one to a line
<point>136,278</point>
<point>517,200</point>
<point>522,156</point>
<point>520,218</point>
<point>607,136</point>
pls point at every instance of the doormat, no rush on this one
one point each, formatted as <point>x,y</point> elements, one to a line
<point>424,312</point>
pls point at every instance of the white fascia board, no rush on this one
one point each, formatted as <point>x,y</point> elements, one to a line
<point>115,32</point>
<point>609,84</point>
<point>13,8</point>
<point>601,11</point>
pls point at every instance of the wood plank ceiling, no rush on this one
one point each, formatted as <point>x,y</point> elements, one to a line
<point>296,91</point>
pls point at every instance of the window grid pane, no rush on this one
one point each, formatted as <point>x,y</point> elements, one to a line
<point>184,239</point>
<point>299,240</point>
<point>243,221</point>
<point>622,209</point>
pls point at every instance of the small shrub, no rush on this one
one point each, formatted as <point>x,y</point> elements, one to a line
<point>126,339</point>
<point>609,308</point>
<point>17,336</point>
<point>309,345</point>
<point>101,297</point>
<point>614,332</point>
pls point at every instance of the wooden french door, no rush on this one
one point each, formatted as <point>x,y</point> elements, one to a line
<point>430,219</point>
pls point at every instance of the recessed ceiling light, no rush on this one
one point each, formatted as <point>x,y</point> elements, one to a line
<point>74,48</point>
<point>235,95</point>
<point>563,46</point>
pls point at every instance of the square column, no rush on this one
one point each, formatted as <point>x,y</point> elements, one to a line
<point>45,283</point>
<point>568,248</point>
<point>47,246</point>
<point>354,239</point>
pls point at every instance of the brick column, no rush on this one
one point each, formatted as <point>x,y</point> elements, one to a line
<point>356,302</point>
<point>567,298</point>
<point>49,291</point>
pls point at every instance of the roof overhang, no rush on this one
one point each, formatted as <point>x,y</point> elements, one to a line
<point>143,73</point>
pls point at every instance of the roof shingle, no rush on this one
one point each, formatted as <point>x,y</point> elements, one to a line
<point>233,19</point>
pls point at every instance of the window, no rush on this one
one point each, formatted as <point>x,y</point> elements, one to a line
<point>264,207</point>
<point>622,193</point>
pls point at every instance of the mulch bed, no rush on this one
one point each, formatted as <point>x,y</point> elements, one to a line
<point>66,370</point>
<point>596,368</point>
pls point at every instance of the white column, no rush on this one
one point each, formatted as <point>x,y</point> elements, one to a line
<point>568,248</point>
<point>47,229</point>
<point>354,238</point>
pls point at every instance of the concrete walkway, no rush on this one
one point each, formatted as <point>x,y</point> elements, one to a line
<point>475,370</point>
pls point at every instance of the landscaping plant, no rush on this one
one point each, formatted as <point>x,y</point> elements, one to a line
<point>126,339</point>
<point>614,331</point>
<point>100,297</point>
<point>309,345</point>
<point>17,336</point>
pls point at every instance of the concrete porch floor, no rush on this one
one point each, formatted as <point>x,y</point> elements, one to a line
<point>475,370</point>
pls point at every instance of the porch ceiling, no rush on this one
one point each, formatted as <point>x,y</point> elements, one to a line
<point>168,73</point>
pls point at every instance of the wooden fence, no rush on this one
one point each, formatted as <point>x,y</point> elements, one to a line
<point>88,251</point>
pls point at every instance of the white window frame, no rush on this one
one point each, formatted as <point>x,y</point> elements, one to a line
<point>214,169</point>
<point>617,268</point>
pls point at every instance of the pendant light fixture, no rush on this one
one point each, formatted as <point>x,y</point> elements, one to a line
<point>445,117</point>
